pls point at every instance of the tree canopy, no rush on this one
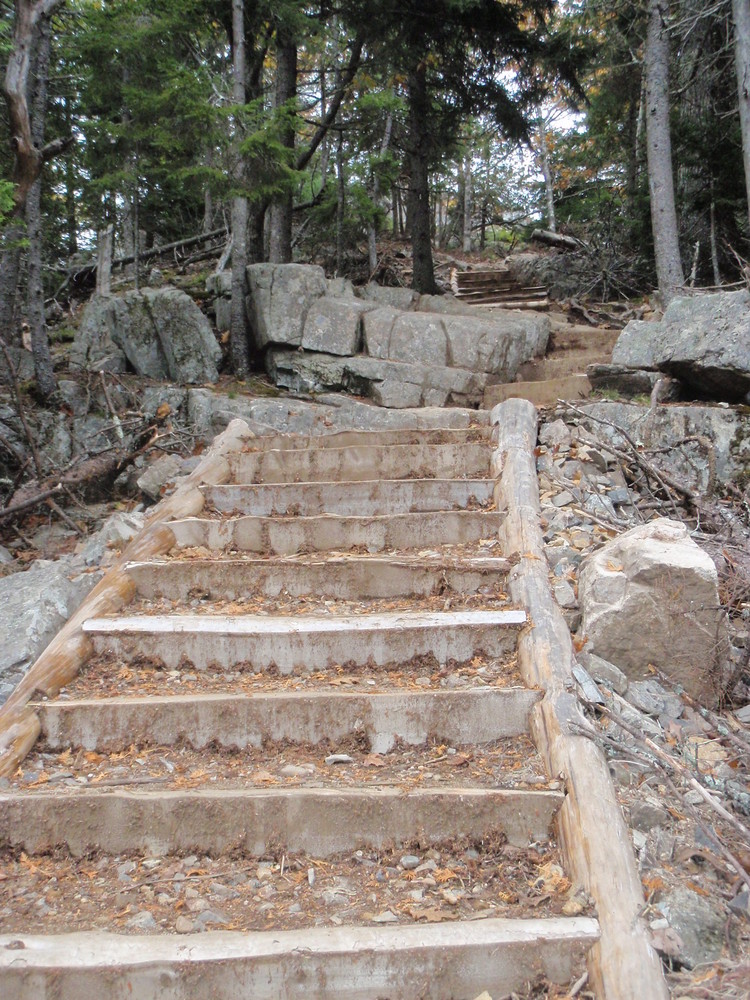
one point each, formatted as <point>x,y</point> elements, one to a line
<point>463,123</point>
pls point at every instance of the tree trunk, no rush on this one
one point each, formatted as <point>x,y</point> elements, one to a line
<point>713,241</point>
<point>741,14</point>
<point>659,149</point>
<point>238,339</point>
<point>286,90</point>
<point>549,192</point>
<point>372,234</point>
<point>104,250</point>
<point>418,151</point>
<point>70,190</point>
<point>27,158</point>
<point>340,204</point>
<point>43,370</point>
<point>468,206</point>
<point>324,144</point>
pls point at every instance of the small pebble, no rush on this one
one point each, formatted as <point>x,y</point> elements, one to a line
<point>339,758</point>
<point>410,861</point>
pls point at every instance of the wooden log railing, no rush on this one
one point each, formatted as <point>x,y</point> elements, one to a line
<point>62,659</point>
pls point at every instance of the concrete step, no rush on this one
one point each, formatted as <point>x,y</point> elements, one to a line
<point>320,822</point>
<point>352,577</point>
<point>285,536</point>
<point>347,439</point>
<point>240,721</point>
<point>545,392</point>
<point>360,463</point>
<point>426,962</point>
<point>364,499</point>
<point>302,643</point>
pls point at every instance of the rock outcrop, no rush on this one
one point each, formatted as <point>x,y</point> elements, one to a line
<point>703,340</point>
<point>391,345</point>
<point>650,597</point>
<point>159,332</point>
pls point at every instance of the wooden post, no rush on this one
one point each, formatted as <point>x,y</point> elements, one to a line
<point>104,260</point>
<point>593,836</point>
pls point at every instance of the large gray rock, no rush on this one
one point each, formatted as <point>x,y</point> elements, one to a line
<point>159,332</point>
<point>159,474</point>
<point>190,348</point>
<point>418,339</point>
<point>334,325</point>
<point>700,924</point>
<point>665,427</point>
<point>305,371</point>
<point>395,384</point>
<point>650,597</point>
<point>636,345</point>
<point>34,605</point>
<point>498,346</point>
<point>383,295</point>
<point>704,340</point>
<point>210,412</point>
<point>93,346</point>
<point>279,298</point>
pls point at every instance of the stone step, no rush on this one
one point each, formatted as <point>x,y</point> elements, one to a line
<point>320,822</point>
<point>424,962</point>
<point>304,642</point>
<point>352,577</point>
<point>240,721</point>
<point>288,535</point>
<point>347,439</point>
<point>544,392</point>
<point>361,463</point>
<point>364,499</point>
<point>106,676</point>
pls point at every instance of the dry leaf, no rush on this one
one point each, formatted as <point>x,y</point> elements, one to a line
<point>667,941</point>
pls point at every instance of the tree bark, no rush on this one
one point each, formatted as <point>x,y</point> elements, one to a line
<point>340,204</point>
<point>286,90</point>
<point>71,217</point>
<point>741,15</point>
<point>43,370</point>
<point>238,333</point>
<point>104,249</point>
<point>549,191</point>
<point>659,149</point>
<point>372,234</point>
<point>27,158</point>
<point>468,206</point>
<point>418,154</point>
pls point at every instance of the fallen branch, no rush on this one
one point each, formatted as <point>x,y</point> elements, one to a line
<point>652,748</point>
<point>23,505</point>
<point>663,763</point>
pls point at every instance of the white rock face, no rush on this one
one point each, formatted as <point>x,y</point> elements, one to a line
<point>651,597</point>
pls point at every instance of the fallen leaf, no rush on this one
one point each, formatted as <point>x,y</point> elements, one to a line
<point>667,941</point>
<point>373,760</point>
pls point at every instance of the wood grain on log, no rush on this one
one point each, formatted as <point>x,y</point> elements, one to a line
<point>593,835</point>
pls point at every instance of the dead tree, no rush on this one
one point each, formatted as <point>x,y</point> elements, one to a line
<point>28,158</point>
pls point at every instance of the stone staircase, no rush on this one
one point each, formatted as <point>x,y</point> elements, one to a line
<point>301,741</point>
<point>300,764</point>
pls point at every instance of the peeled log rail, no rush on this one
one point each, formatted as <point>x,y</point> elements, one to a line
<point>594,839</point>
<point>65,655</point>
